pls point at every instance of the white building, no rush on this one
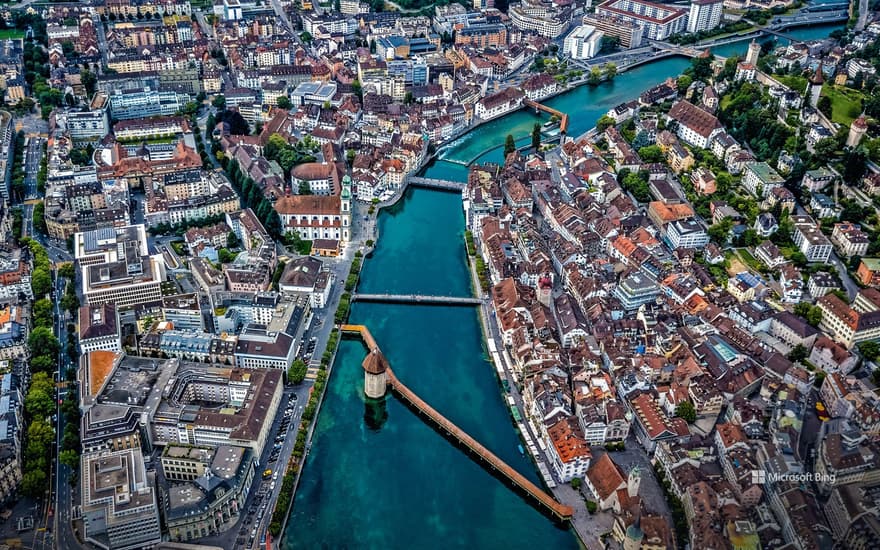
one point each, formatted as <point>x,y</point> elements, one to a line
<point>810,239</point>
<point>568,451</point>
<point>543,17</point>
<point>316,93</point>
<point>88,125</point>
<point>687,234</point>
<point>760,179</point>
<point>582,43</point>
<point>99,329</point>
<point>659,21</point>
<point>705,15</point>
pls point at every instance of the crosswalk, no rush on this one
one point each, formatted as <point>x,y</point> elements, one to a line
<point>314,368</point>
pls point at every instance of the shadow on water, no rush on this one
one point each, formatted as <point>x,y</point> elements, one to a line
<point>375,413</point>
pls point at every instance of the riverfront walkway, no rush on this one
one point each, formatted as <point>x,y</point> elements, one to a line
<point>495,464</point>
<point>416,299</point>
<point>443,185</point>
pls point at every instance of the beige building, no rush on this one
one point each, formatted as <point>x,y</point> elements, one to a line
<point>205,488</point>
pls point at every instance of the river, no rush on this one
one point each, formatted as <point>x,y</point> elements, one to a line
<point>377,476</point>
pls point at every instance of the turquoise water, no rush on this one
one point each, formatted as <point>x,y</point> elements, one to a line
<point>380,477</point>
<point>377,476</point>
<point>584,105</point>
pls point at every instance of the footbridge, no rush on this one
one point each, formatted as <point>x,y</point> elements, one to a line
<point>563,117</point>
<point>416,299</point>
<point>454,161</point>
<point>376,368</point>
<point>443,185</point>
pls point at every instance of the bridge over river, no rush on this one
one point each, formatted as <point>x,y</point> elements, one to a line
<point>377,369</point>
<point>416,299</point>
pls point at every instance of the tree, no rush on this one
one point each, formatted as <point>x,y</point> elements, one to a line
<point>604,123</point>
<point>350,156</point>
<point>684,81</point>
<point>305,188</point>
<point>701,67</point>
<point>814,317</point>
<point>536,136</point>
<point>802,309</point>
<point>41,341</point>
<point>219,102</point>
<point>686,411</point>
<point>41,281</point>
<point>42,313</point>
<point>69,458</point>
<point>38,403</point>
<point>67,271</point>
<point>610,70</point>
<point>297,372</point>
<point>824,105</point>
<point>42,363</point>
<point>70,301</point>
<point>576,483</point>
<point>306,37</point>
<point>651,153</point>
<point>232,240</point>
<point>509,145</point>
<point>870,350</point>
<point>89,81</point>
<point>797,353</point>
<point>609,44</point>
<point>854,165</point>
<point>824,149</point>
<point>284,102</point>
<point>33,482</point>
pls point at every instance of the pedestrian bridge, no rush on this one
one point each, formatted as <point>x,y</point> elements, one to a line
<point>431,183</point>
<point>416,299</point>
<point>490,461</point>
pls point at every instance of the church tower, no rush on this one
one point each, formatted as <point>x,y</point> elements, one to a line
<point>345,208</point>
<point>633,481</point>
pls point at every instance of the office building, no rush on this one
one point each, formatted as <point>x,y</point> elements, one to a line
<point>119,505</point>
<point>583,42</point>
<point>659,21</point>
<point>704,15</point>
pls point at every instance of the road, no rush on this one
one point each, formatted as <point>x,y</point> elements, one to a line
<point>863,15</point>
<point>66,539</point>
<point>206,28</point>
<point>257,509</point>
<point>279,9</point>
<point>27,220</point>
<point>33,154</point>
<point>102,37</point>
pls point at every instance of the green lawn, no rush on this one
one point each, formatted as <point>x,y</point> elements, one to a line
<point>846,103</point>
<point>797,83</point>
<point>11,33</point>
<point>748,259</point>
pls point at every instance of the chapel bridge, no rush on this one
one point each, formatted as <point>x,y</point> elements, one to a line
<point>376,368</point>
